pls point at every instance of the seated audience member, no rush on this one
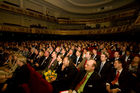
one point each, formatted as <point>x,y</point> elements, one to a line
<point>60,59</point>
<point>119,80</point>
<point>78,58</point>
<point>31,56</point>
<point>103,67</point>
<point>57,50</point>
<point>20,76</point>
<point>95,56</point>
<point>133,68</point>
<point>87,80</point>
<point>85,59</point>
<point>116,57</point>
<point>127,59</point>
<point>46,59</point>
<point>134,65</point>
<point>65,74</point>
<point>38,60</point>
<point>63,52</point>
<point>84,53</point>
<point>71,55</point>
<point>52,65</point>
<point>5,73</point>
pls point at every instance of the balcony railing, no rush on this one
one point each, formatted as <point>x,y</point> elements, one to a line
<point>110,30</point>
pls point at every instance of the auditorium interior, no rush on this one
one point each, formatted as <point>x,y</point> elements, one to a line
<point>49,46</point>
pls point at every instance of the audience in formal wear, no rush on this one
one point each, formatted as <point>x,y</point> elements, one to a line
<point>67,57</point>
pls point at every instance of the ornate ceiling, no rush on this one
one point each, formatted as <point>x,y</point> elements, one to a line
<point>88,6</point>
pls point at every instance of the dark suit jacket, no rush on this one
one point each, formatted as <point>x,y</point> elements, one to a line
<point>81,65</point>
<point>44,63</point>
<point>53,65</point>
<point>93,85</point>
<point>79,60</point>
<point>39,61</point>
<point>64,78</point>
<point>129,60</point>
<point>96,58</point>
<point>105,70</point>
<point>72,57</point>
<point>125,80</point>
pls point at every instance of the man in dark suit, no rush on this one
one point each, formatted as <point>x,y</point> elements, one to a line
<point>87,80</point>
<point>65,74</point>
<point>71,55</point>
<point>45,61</point>
<point>103,67</point>
<point>127,59</point>
<point>63,52</point>
<point>85,59</point>
<point>119,80</point>
<point>95,56</point>
<point>78,58</point>
<point>116,57</point>
<point>52,65</point>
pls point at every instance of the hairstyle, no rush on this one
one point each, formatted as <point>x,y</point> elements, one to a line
<point>22,59</point>
<point>120,62</point>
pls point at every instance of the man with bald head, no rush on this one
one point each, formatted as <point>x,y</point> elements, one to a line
<point>87,80</point>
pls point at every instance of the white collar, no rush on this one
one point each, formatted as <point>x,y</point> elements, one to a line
<point>119,71</point>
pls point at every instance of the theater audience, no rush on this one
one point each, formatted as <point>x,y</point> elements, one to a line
<point>45,55</point>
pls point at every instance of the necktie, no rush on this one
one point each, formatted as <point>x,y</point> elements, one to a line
<point>94,56</point>
<point>101,66</point>
<point>77,60</point>
<point>85,62</point>
<point>43,61</point>
<point>50,64</point>
<point>81,82</point>
<point>116,78</point>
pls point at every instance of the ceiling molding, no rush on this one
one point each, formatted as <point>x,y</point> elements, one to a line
<point>89,4</point>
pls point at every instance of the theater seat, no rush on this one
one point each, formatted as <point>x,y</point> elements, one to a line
<point>36,83</point>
